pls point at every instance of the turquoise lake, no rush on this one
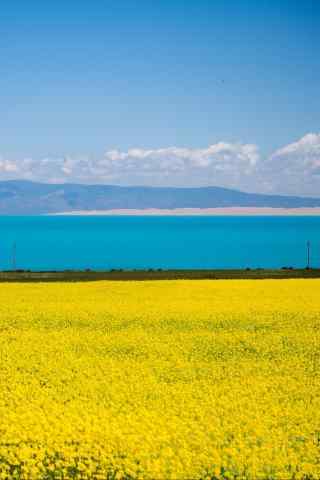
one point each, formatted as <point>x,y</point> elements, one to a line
<point>79,242</point>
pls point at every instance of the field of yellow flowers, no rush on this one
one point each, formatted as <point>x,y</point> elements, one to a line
<point>156,380</point>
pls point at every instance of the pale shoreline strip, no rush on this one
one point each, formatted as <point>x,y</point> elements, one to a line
<point>228,211</point>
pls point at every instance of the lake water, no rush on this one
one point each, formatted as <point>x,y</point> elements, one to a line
<point>57,243</point>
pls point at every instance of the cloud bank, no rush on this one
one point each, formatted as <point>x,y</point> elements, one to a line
<point>293,169</point>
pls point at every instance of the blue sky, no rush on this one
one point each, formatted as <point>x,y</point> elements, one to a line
<point>81,79</point>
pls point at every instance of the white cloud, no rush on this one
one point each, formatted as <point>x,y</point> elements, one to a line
<point>221,154</point>
<point>222,163</point>
<point>293,169</point>
<point>309,146</point>
<point>7,167</point>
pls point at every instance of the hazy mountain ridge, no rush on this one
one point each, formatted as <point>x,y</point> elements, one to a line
<point>29,198</point>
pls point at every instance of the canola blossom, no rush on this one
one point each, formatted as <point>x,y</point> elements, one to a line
<point>160,380</point>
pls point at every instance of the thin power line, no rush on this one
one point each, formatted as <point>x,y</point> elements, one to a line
<point>14,256</point>
<point>308,254</point>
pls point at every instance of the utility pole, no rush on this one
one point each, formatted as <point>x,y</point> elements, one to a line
<point>14,255</point>
<point>308,254</point>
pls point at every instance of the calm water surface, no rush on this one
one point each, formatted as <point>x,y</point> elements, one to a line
<point>59,243</point>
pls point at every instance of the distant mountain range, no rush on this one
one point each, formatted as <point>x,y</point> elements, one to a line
<point>29,198</point>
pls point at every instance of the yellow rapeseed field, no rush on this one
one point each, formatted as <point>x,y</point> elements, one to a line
<point>159,380</point>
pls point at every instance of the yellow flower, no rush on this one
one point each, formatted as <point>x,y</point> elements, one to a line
<point>157,380</point>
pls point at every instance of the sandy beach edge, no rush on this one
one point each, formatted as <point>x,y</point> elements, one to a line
<point>227,211</point>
